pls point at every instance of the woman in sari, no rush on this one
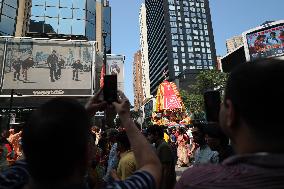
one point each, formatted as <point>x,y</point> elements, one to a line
<point>182,150</point>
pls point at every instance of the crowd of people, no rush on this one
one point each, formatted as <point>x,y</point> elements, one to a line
<point>59,148</point>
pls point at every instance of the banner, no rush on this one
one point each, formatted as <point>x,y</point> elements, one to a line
<point>46,67</point>
<point>115,66</point>
<point>266,43</point>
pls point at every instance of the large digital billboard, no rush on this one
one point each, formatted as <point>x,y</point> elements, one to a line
<point>267,42</point>
<point>47,67</point>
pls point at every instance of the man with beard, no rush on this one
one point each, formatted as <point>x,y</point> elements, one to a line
<point>52,62</point>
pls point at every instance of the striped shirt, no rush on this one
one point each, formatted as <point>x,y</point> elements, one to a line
<point>255,171</point>
<point>17,177</point>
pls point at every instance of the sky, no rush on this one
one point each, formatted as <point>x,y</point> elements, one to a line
<point>229,17</point>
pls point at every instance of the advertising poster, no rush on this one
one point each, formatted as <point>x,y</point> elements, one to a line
<point>46,67</point>
<point>266,43</point>
<point>115,66</point>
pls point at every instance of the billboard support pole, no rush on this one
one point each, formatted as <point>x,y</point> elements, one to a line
<point>104,34</point>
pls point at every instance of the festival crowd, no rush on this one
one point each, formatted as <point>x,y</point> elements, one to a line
<point>58,148</point>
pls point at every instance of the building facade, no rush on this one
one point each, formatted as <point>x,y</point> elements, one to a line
<point>144,54</point>
<point>67,17</point>
<point>180,39</point>
<point>137,81</point>
<point>233,43</point>
<point>14,17</point>
<point>84,19</point>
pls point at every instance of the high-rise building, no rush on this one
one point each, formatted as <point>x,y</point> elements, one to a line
<point>219,63</point>
<point>234,43</point>
<point>85,19</point>
<point>14,17</point>
<point>144,53</point>
<point>180,39</point>
<point>137,81</point>
<point>103,24</point>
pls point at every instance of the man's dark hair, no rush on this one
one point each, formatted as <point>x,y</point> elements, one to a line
<point>257,93</point>
<point>123,140</point>
<point>156,130</point>
<point>55,140</point>
<point>214,130</point>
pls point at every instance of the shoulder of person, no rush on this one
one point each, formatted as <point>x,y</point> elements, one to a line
<point>201,175</point>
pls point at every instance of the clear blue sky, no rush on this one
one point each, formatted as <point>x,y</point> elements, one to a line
<point>229,17</point>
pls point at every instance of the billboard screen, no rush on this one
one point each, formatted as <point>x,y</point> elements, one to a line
<point>115,66</point>
<point>266,43</point>
<point>46,67</point>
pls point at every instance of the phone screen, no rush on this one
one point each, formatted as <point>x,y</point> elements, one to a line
<point>110,88</point>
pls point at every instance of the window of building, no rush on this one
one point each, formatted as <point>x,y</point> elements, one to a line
<point>208,50</point>
<point>189,43</point>
<point>191,55</point>
<point>192,67</point>
<point>174,43</point>
<point>175,55</point>
<point>172,7</point>
<point>182,49</point>
<point>176,68</point>
<point>174,30</point>
<point>173,24</point>
<point>184,68</point>
<point>175,61</point>
<point>174,49</point>
<point>202,4</point>
<point>190,49</point>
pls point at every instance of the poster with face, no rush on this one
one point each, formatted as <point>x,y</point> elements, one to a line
<point>46,67</point>
<point>115,66</point>
<point>266,43</point>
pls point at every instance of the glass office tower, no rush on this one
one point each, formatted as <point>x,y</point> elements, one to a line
<point>8,17</point>
<point>67,17</point>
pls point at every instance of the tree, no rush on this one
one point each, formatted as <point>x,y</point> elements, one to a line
<point>205,80</point>
<point>210,80</point>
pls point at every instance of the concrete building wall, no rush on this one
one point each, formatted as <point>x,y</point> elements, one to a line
<point>144,53</point>
<point>137,81</point>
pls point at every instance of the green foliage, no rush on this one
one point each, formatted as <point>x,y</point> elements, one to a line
<point>210,80</point>
<point>206,80</point>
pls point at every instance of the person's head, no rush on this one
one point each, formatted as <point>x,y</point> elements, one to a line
<point>57,142</point>
<point>155,133</point>
<point>78,62</point>
<point>198,134</point>
<point>181,130</point>
<point>214,136</point>
<point>252,105</point>
<point>261,37</point>
<point>54,52</point>
<point>123,143</point>
<point>273,34</point>
<point>112,135</point>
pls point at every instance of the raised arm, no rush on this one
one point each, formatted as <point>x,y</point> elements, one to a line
<point>145,156</point>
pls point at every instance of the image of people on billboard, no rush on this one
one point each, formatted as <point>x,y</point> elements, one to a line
<point>45,65</point>
<point>266,43</point>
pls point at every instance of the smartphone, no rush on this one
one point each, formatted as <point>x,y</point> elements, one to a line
<point>110,88</point>
<point>212,101</point>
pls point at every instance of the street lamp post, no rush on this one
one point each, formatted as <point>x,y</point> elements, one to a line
<point>104,34</point>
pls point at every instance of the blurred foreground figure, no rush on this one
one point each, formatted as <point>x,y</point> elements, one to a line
<point>251,116</point>
<point>59,149</point>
